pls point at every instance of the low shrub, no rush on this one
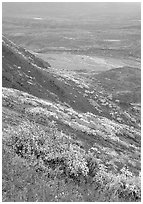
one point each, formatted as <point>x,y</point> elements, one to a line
<point>41,164</point>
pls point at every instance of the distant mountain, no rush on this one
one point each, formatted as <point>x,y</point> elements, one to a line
<point>72,10</point>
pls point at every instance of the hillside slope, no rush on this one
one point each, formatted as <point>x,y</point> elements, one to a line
<point>64,137</point>
<point>124,83</point>
<point>23,71</point>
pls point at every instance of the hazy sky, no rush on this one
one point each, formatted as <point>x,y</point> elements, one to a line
<point>70,9</point>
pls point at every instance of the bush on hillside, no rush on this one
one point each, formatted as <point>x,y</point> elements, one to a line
<point>29,149</point>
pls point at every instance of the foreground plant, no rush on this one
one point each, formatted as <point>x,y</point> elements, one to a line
<point>36,157</point>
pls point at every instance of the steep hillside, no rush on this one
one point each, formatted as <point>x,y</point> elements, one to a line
<point>23,71</point>
<point>65,138</point>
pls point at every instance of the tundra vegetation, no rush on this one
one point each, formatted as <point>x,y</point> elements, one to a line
<point>43,163</point>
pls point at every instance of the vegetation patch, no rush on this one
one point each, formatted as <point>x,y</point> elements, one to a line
<point>44,162</point>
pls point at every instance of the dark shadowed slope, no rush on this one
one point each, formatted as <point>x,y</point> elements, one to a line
<point>124,83</point>
<point>23,71</point>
